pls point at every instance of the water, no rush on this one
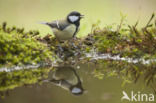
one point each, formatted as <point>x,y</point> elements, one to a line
<point>108,89</point>
<point>93,55</point>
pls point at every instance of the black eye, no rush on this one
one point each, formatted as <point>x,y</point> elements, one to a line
<point>78,14</point>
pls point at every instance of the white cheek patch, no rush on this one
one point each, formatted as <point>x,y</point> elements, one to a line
<point>76,90</point>
<point>73,18</point>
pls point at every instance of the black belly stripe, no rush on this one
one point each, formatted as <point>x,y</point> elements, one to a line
<point>77,24</point>
<point>75,31</point>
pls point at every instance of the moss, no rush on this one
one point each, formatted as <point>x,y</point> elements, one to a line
<point>10,80</point>
<point>129,72</point>
<point>18,47</point>
<point>126,40</point>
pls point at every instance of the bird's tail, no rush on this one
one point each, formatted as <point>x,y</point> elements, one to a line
<point>45,23</point>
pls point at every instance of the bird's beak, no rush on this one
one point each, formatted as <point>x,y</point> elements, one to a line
<point>81,16</point>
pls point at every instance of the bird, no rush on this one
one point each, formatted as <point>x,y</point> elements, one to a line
<point>67,78</point>
<point>67,28</point>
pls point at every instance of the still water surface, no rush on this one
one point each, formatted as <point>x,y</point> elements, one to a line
<point>106,90</point>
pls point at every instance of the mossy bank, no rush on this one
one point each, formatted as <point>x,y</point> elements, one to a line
<point>21,48</point>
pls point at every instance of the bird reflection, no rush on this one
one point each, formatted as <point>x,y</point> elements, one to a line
<point>67,78</point>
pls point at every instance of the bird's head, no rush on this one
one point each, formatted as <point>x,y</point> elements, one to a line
<point>74,17</point>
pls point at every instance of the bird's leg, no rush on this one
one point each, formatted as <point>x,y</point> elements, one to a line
<point>73,43</point>
<point>60,48</point>
<point>60,51</point>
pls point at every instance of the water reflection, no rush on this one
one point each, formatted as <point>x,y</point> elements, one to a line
<point>106,90</point>
<point>67,78</point>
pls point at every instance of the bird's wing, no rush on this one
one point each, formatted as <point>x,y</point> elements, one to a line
<point>58,24</point>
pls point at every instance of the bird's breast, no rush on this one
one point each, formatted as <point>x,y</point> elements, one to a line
<point>65,34</point>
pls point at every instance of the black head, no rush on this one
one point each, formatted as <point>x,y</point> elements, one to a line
<point>74,17</point>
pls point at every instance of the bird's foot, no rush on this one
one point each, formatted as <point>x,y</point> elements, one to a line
<point>60,48</point>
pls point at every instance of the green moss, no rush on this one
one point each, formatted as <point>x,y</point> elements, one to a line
<point>10,80</point>
<point>129,72</point>
<point>18,47</point>
<point>126,41</point>
<point>129,42</point>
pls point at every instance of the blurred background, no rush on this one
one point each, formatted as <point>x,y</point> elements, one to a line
<point>27,13</point>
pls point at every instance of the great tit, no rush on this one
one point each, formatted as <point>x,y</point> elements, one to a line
<point>67,28</point>
<point>67,78</point>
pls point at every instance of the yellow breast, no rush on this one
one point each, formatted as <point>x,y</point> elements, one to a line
<point>65,34</point>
